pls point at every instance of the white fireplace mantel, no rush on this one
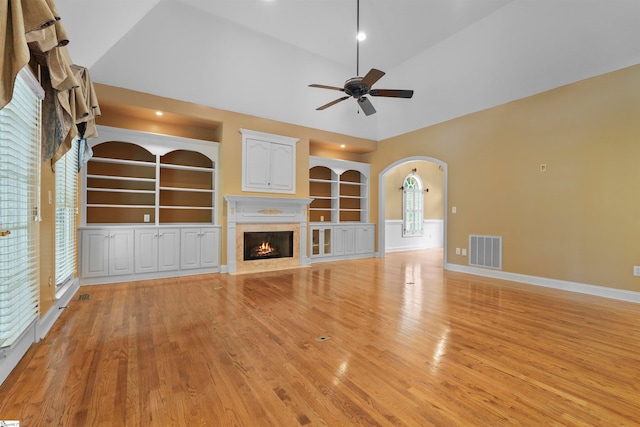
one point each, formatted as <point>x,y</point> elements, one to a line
<point>265,210</point>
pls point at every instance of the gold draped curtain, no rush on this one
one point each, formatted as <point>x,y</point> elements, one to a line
<point>31,30</point>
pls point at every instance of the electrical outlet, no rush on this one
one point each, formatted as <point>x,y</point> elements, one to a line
<point>457,251</point>
<point>147,217</point>
<point>636,270</point>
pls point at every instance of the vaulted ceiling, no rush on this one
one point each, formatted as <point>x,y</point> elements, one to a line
<point>259,56</point>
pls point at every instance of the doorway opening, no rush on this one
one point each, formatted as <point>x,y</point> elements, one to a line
<point>433,173</point>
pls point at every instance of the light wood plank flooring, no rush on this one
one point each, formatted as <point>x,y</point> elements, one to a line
<point>408,345</point>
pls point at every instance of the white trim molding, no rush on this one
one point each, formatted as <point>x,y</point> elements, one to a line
<point>600,291</point>
<point>39,328</point>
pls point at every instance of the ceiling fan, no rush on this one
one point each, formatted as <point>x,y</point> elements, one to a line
<point>357,87</point>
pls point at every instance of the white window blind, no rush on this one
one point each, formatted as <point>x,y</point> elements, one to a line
<point>66,209</point>
<point>412,206</point>
<point>19,205</point>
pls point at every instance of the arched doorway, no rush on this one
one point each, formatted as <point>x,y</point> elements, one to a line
<point>382,197</point>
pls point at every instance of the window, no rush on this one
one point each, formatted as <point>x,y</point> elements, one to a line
<point>66,210</point>
<point>412,205</point>
<point>19,208</point>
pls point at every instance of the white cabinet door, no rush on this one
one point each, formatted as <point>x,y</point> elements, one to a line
<point>107,252</point>
<point>282,173</point>
<point>146,250</point>
<point>345,240</point>
<point>365,238</point>
<point>168,249</point>
<point>95,253</point>
<point>209,247</point>
<point>189,248</point>
<point>200,248</point>
<point>257,167</point>
<point>268,162</point>
<point>120,252</point>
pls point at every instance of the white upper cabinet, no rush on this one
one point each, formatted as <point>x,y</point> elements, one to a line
<point>268,162</point>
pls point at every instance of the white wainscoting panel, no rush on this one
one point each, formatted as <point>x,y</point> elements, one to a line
<point>431,238</point>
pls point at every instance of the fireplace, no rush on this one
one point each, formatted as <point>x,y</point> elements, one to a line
<point>267,244</point>
<point>266,217</point>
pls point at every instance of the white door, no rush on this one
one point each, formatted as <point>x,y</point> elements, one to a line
<point>120,252</point>
<point>146,250</point>
<point>256,169</point>
<point>168,249</point>
<point>365,239</point>
<point>189,248</point>
<point>209,248</point>
<point>345,240</point>
<point>95,253</point>
<point>281,177</point>
<point>349,240</point>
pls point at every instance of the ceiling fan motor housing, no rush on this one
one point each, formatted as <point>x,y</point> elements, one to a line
<point>355,88</point>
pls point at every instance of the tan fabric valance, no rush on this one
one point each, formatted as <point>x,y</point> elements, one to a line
<point>32,29</point>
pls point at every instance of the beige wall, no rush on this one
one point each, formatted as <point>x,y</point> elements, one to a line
<point>432,179</point>
<point>578,221</point>
<point>47,239</point>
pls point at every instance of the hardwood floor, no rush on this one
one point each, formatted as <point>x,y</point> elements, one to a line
<point>408,345</point>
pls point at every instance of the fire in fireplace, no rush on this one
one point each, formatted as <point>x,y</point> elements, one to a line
<point>268,244</point>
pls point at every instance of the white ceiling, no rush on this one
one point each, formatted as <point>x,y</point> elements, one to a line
<point>259,56</point>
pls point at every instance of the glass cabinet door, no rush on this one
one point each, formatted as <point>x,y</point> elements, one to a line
<point>326,241</point>
<point>315,242</point>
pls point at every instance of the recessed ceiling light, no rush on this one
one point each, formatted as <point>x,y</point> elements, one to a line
<point>361,36</point>
<point>159,113</point>
<point>342,145</point>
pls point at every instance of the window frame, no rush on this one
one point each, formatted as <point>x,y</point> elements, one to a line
<point>412,206</point>
<point>66,207</point>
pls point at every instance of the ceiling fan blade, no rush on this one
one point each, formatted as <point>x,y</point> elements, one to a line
<point>327,87</point>
<point>333,103</point>
<point>392,93</point>
<point>372,76</point>
<point>366,105</point>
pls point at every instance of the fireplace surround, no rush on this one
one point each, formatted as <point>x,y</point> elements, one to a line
<point>255,214</point>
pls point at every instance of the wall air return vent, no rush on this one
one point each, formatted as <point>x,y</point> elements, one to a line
<point>485,251</point>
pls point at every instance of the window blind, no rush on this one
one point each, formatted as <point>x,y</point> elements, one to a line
<point>19,209</point>
<point>66,209</point>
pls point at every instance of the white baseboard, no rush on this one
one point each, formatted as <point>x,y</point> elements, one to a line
<point>600,291</point>
<point>106,280</point>
<point>63,297</point>
<point>10,356</point>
